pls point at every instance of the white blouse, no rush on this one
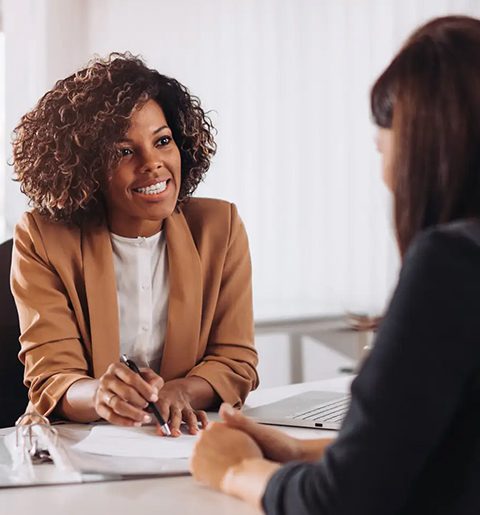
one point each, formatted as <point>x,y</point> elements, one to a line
<point>141,273</point>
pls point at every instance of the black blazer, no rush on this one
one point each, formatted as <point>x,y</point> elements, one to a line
<point>410,443</point>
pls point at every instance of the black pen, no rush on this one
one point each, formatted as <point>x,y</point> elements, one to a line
<point>133,366</point>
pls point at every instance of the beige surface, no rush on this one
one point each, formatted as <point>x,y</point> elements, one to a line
<point>179,496</point>
<point>176,495</point>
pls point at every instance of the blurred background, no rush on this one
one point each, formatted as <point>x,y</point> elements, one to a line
<point>287,86</point>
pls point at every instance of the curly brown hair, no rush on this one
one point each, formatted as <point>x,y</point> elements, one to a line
<point>65,148</point>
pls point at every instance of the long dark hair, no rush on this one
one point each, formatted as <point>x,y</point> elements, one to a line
<point>430,96</point>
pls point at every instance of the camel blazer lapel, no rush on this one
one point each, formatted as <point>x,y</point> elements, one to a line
<point>180,352</point>
<point>101,296</point>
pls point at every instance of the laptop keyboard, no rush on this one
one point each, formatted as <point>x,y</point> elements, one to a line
<point>333,411</point>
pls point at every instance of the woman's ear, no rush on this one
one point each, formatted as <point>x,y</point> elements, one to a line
<point>384,142</point>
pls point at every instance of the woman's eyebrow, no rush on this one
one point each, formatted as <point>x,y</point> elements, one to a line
<point>128,140</point>
<point>160,129</point>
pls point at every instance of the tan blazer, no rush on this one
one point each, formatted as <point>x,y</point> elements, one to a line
<point>63,282</point>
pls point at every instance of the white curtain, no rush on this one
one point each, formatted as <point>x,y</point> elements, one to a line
<point>288,83</point>
<point>44,41</point>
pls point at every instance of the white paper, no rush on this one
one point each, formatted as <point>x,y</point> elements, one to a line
<point>135,442</point>
<point>112,466</point>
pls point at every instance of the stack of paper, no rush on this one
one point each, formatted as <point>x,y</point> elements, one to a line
<point>137,442</point>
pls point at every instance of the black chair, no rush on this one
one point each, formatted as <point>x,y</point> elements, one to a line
<point>13,394</point>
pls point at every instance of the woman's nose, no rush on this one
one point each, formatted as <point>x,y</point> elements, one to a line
<point>150,162</point>
<point>150,167</point>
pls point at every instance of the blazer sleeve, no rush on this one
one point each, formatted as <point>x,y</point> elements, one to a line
<point>230,359</point>
<point>51,350</point>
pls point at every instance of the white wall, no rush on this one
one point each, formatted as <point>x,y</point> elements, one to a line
<point>44,41</point>
<point>288,83</point>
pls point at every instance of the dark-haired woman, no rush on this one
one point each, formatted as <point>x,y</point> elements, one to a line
<point>410,443</point>
<point>116,258</point>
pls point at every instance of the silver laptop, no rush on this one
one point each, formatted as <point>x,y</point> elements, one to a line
<point>320,410</point>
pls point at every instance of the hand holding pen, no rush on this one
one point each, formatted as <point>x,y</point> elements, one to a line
<point>151,405</point>
<point>122,396</point>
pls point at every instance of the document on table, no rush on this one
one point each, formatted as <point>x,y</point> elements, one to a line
<point>135,442</point>
<point>100,453</point>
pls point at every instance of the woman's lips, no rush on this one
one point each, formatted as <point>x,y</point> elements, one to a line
<point>153,189</point>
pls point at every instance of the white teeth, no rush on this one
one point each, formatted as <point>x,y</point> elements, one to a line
<point>153,189</point>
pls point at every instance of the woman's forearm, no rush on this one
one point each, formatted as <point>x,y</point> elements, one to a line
<point>78,402</point>
<point>248,480</point>
<point>200,393</point>
<point>312,450</point>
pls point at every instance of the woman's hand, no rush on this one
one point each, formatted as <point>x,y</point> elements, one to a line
<point>217,450</point>
<point>275,445</point>
<point>122,395</point>
<point>176,400</point>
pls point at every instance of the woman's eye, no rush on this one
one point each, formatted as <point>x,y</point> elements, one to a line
<point>164,140</point>
<point>125,152</point>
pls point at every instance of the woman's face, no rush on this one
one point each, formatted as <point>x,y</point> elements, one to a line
<point>143,189</point>
<point>384,141</point>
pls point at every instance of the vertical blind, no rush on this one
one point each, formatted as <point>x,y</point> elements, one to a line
<point>287,83</point>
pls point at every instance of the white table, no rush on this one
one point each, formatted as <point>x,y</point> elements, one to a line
<point>174,495</point>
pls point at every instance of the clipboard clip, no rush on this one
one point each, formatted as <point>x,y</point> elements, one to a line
<point>27,439</point>
<point>37,443</point>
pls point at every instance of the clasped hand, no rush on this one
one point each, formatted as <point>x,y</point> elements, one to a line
<point>122,398</point>
<point>239,456</point>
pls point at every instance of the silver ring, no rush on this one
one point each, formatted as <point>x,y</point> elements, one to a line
<point>108,400</point>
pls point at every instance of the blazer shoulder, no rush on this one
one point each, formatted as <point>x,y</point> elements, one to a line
<point>443,257</point>
<point>206,214</point>
<point>214,223</point>
<point>206,208</point>
<point>446,241</point>
<point>33,221</point>
<point>45,235</point>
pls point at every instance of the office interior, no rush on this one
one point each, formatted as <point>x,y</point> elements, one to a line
<point>286,83</point>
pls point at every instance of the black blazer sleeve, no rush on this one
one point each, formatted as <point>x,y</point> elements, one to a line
<point>425,357</point>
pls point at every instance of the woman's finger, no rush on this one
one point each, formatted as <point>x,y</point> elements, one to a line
<point>109,415</point>
<point>175,421</point>
<point>190,418</point>
<point>126,392</point>
<point>235,418</point>
<point>202,418</point>
<point>163,407</point>
<point>122,408</point>
<point>152,378</point>
<point>122,372</point>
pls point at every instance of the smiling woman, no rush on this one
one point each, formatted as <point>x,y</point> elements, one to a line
<point>115,257</point>
<point>137,198</point>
